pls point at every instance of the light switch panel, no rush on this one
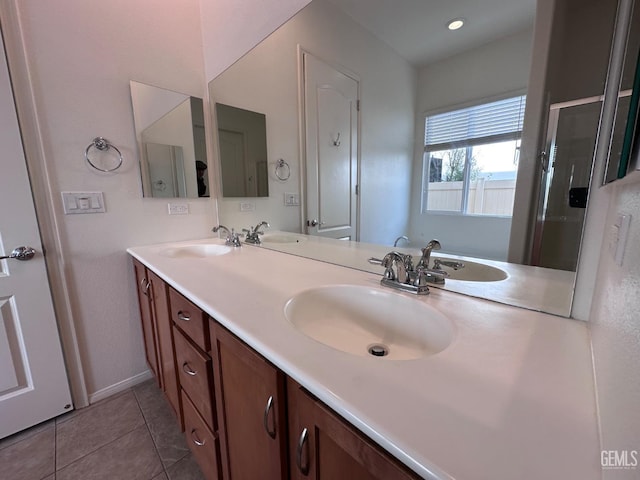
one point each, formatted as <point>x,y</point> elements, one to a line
<point>82,202</point>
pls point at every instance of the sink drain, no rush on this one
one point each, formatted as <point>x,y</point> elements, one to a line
<point>378,350</point>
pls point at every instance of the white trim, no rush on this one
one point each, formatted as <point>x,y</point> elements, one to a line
<point>120,386</point>
<point>43,196</point>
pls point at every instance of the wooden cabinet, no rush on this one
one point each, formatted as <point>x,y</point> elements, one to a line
<point>153,298</point>
<point>159,294</point>
<point>148,331</point>
<point>243,418</point>
<point>250,395</point>
<point>195,372</point>
<point>322,446</point>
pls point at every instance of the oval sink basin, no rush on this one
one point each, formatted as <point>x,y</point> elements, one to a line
<point>475,272</point>
<point>370,322</point>
<point>281,238</point>
<point>196,251</point>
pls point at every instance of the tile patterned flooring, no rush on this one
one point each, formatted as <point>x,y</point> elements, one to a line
<point>130,436</point>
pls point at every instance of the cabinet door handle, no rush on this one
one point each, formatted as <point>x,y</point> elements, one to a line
<point>186,368</point>
<point>145,284</point>
<point>265,418</point>
<point>302,442</point>
<point>195,438</point>
<point>185,317</point>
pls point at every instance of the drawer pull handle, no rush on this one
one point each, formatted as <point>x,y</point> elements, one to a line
<point>196,440</point>
<point>265,418</point>
<point>145,284</point>
<point>186,368</point>
<point>302,442</point>
<point>185,317</point>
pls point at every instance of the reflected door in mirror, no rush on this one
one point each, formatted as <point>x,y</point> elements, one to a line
<point>331,131</point>
<point>242,137</point>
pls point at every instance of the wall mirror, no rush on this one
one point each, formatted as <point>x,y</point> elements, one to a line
<point>242,149</point>
<point>171,142</point>
<point>624,144</point>
<point>380,69</point>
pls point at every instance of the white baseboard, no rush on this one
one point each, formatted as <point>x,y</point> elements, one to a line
<point>119,387</point>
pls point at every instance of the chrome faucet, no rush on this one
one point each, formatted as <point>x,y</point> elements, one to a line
<point>405,277</point>
<point>232,239</point>
<point>401,237</point>
<point>252,233</point>
<point>434,274</point>
<point>426,253</point>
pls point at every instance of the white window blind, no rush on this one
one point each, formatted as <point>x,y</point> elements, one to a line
<point>499,120</point>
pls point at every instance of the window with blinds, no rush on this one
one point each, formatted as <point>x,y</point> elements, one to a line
<point>471,158</point>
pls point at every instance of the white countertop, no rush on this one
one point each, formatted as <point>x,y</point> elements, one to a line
<point>511,398</point>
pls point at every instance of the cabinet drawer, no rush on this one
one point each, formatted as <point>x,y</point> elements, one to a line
<point>201,441</point>
<point>194,369</point>
<point>190,319</point>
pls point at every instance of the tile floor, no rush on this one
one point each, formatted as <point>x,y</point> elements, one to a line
<point>130,436</point>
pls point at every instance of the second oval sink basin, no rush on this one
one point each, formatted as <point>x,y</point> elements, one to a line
<point>475,272</point>
<point>196,251</point>
<point>370,322</point>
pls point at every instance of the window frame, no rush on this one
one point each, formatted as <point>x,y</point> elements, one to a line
<point>468,144</point>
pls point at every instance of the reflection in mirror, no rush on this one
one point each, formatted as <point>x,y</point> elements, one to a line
<point>242,144</point>
<point>624,136</point>
<point>171,142</point>
<point>409,67</point>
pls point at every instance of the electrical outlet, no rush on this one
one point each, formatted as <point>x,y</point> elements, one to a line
<point>247,206</point>
<point>178,208</point>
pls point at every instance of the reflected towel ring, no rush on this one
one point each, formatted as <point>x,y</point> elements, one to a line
<point>102,144</point>
<point>279,165</point>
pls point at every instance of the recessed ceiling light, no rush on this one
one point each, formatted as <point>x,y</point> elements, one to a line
<point>455,24</point>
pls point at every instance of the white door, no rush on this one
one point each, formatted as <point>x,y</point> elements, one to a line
<point>331,136</point>
<point>33,379</point>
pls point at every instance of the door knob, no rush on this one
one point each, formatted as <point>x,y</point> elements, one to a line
<point>21,253</point>
<point>314,223</point>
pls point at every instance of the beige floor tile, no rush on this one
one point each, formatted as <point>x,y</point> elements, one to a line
<point>98,426</point>
<point>29,459</point>
<point>162,423</point>
<point>185,469</point>
<point>29,432</point>
<point>131,457</point>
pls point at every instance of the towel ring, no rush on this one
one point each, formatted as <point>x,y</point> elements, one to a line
<point>102,144</point>
<point>280,165</point>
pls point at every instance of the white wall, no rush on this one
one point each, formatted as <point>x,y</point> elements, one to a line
<point>615,331</point>
<point>231,28</point>
<point>266,81</point>
<point>82,56</point>
<point>489,71</point>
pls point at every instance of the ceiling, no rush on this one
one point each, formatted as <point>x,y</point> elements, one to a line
<point>417,29</point>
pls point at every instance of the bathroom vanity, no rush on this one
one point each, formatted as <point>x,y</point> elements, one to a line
<point>493,391</point>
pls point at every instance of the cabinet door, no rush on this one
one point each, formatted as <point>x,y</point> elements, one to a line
<point>322,446</point>
<point>146,316</point>
<point>250,394</point>
<point>164,334</point>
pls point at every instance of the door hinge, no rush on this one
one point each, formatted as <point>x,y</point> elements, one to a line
<point>357,189</point>
<point>358,105</point>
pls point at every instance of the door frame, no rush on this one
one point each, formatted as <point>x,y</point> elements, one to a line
<point>302,156</point>
<point>43,196</point>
